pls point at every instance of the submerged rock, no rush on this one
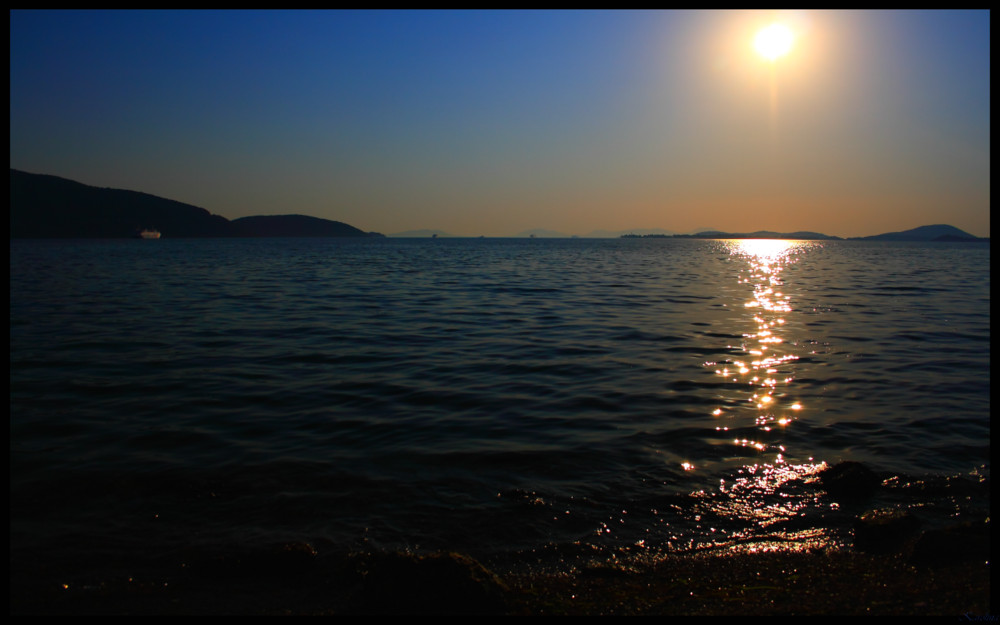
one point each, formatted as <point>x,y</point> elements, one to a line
<point>850,481</point>
<point>440,583</point>
<point>885,531</point>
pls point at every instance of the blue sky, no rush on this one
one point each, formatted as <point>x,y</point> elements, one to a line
<point>497,122</point>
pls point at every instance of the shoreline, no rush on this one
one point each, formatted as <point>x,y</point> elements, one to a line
<point>831,582</point>
<point>891,565</point>
<point>299,582</point>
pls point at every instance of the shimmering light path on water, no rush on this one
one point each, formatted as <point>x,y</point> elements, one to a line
<point>762,393</point>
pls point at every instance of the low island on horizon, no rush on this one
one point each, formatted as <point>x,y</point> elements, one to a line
<point>46,206</point>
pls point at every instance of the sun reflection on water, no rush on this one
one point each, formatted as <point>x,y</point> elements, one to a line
<point>766,259</point>
<point>762,377</point>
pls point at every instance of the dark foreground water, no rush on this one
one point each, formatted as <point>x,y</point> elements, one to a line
<point>529,402</point>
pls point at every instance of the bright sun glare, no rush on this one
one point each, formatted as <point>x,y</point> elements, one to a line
<point>773,41</point>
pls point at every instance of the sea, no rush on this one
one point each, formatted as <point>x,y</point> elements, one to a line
<point>537,404</point>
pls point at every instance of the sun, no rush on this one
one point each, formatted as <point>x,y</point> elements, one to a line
<point>773,41</point>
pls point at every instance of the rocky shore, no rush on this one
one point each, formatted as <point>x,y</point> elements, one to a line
<point>894,567</point>
<point>790,583</point>
<point>780,583</point>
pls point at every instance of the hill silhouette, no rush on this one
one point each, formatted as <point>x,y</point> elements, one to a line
<point>760,234</point>
<point>937,232</point>
<point>48,206</point>
<point>43,206</point>
<point>292,226</point>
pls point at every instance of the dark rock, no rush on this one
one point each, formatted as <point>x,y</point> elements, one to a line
<point>849,481</point>
<point>966,542</point>
<point>885,531</point>
<point>441,583</point>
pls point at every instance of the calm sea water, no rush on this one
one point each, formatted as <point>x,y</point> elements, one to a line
<point>519,400</point>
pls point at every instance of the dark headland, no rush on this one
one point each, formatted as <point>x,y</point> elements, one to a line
<point>43,206</point>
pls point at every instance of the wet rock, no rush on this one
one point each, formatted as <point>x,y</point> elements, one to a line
<point>885,531</point>
<point>951,486</point>
<point>850,481</point>
<point>441,583</point>
<point>966,542</point>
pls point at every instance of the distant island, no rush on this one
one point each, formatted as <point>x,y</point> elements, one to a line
<point>940,233</point>
<point>760,234</point>
<point>43,206</point>
<point>419,234</point>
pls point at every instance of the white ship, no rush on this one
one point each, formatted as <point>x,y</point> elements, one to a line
<point>149,234</point>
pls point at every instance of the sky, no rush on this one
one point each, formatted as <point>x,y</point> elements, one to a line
<point>495,122</point>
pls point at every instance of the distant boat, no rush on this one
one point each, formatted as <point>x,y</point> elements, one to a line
<point>145,233</point>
